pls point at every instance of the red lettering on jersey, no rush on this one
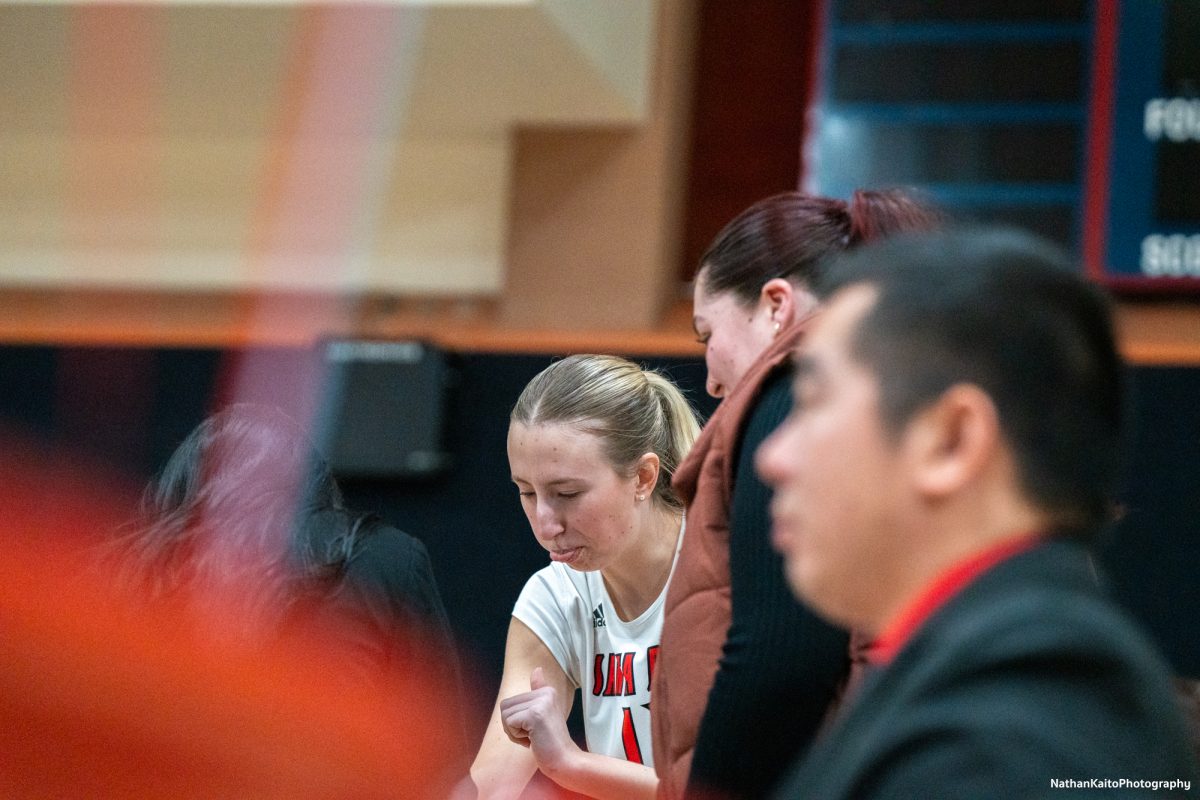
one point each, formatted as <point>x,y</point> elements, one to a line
<point>652,659</point>
<point>633,750</point>
<point>598,675</point>
<point>620,675</point>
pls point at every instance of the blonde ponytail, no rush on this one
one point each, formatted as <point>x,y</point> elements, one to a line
<point>681,429</point>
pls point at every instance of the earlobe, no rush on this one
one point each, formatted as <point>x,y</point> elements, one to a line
<point>953,440</point>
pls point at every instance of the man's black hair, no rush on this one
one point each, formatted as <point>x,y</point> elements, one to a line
<point>1009,313</point>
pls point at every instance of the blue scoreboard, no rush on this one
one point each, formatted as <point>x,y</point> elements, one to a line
<point>1142,215</point>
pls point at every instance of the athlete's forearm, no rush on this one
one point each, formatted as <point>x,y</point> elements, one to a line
<point>502,769</point>
<point>603,777</point>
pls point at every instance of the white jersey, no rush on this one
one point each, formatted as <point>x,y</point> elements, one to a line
<point>608,659</point>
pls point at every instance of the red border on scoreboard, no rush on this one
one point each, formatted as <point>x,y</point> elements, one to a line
<point>1099,157</point>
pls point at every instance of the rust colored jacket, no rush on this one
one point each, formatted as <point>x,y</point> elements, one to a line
<point>698,611</point>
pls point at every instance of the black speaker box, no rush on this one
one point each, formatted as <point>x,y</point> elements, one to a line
<point>384,409</point>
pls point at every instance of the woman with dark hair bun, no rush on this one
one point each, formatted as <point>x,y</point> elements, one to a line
<point>739,654</point>
<point>755,278</point>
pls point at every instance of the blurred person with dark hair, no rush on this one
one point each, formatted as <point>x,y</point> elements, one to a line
<point>245,527</point>
<point>106,695</point>
<point>731,624</point>
<point>952,451</point>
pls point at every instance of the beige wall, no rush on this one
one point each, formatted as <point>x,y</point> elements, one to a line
<point>596,219</point>
<point>508,152</point>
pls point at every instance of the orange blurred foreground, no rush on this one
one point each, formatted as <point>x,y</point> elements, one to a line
<point>99,699</point>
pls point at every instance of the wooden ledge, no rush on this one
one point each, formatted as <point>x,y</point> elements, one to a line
<point>1159,332</point>
<point>1153,332</point>
<point>217,319</point>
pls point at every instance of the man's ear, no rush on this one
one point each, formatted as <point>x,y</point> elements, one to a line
<point>952,441</point>
<point>646,473</point>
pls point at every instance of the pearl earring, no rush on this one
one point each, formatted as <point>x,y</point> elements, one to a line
<point>641,497</point>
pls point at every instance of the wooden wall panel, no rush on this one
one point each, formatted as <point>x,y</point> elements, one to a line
<point>755,66</point>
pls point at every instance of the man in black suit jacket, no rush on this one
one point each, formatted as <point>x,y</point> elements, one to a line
<point>954,440</point>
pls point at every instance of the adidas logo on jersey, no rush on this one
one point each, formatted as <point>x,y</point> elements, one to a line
<point>598,617</point>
